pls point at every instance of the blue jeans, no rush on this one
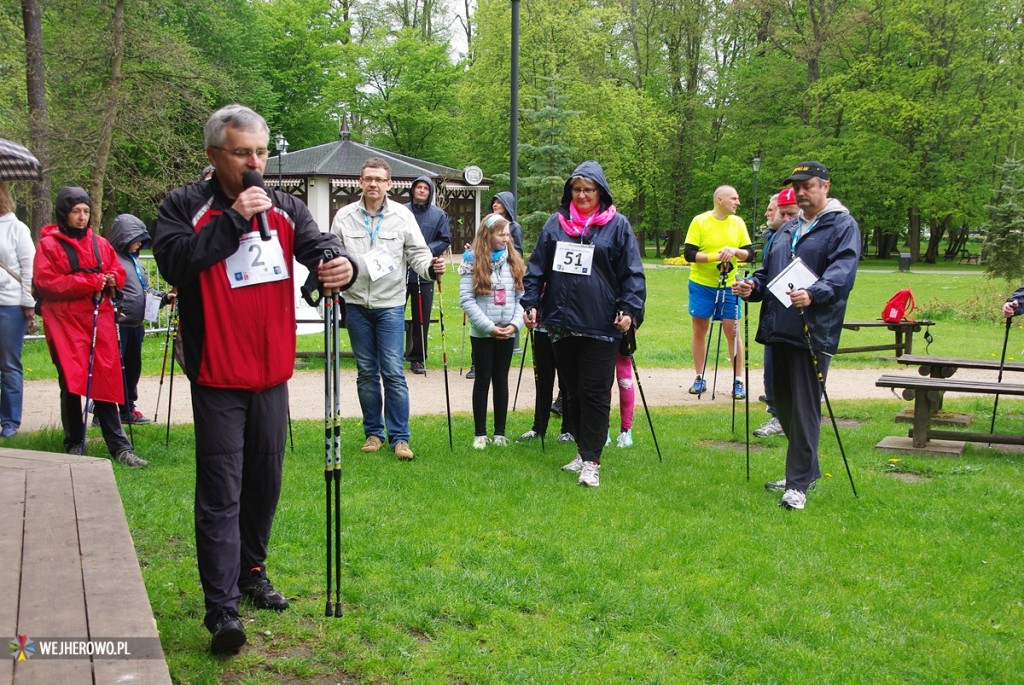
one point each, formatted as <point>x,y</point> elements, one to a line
<point>12,334</point>
<point>378,341</point>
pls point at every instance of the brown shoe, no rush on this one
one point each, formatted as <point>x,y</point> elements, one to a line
<point>372,444</point>
<point>402,451</point>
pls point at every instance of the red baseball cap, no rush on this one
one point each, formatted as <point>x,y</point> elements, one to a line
<point>786,197</point>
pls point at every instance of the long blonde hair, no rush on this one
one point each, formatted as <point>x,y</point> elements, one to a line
<point>6,201</point>
<point>482,249</point>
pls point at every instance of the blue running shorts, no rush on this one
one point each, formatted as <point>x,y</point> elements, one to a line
<point>702,302</point>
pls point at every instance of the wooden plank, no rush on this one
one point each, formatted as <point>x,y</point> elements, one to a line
<point>12,513</point>
<point>115,596</point>
<point>51,600</point>
<point>942,448</point>
<point>950,385</point>
<point>958,363</point>
<point>29,459</point>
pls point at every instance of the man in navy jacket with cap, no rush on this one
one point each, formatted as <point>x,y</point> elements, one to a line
<point>827,239</point>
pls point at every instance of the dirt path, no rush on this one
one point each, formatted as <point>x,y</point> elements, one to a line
<point>662,387</point>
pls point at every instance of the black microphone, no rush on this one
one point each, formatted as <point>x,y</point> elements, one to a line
<point>249,179</point>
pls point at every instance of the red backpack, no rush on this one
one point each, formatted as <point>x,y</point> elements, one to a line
<point>899,307</point>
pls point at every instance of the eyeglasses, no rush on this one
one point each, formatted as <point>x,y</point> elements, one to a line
<point>243,152</point>
<point>370,180</point>
<point>584,191</point>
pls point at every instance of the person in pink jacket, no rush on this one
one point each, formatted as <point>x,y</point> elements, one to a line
<point>73,269</point>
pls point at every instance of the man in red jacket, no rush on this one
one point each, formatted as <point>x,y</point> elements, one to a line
<point>75,271</point>
<point>237,326</point>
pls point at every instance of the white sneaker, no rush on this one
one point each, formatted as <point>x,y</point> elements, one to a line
<point>769,428</point>
<point>566,437</point>
<point>609,440</point>
<point>480,442</point>
<point>793,499</point>
<point>576,465</point>
<point>625,439</point>
<point>499,440</point>
<point>775,485</point>
<point>590,475</point>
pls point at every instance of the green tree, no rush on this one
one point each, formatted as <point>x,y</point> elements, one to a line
<point>1004,241</point>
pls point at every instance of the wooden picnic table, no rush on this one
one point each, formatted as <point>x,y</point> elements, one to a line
<point>69,571</point>
<point>903,330</point>
<point>945,367</point>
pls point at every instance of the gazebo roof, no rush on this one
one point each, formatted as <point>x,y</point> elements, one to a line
<point>344,158</point>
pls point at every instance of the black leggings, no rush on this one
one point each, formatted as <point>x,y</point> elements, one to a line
<point>492,359</point>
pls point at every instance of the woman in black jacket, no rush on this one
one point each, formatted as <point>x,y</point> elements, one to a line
<point>587,281</point>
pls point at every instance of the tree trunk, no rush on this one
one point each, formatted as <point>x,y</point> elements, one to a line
<point>109,116</point>
<point>914,232</point>
<point>38,118</point>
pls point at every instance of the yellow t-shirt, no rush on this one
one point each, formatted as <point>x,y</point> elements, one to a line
<point>710,235</point>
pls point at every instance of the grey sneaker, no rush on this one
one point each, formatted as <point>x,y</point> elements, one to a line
<point>130,459</point>
<point>576,465</point>
<point>528,436</point>
<point>769,428</point>
<point>590,474</point>
<point>793,499</point>
<point>566,437</point>
<point>500,441</point>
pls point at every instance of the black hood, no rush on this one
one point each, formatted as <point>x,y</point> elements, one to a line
<point>430,198</point>
<point>68,197</point>
<point>592,170</point>
<point>126,230</point>
<point>508,201</point>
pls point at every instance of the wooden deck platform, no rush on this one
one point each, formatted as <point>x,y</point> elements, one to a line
<point>69,572</point>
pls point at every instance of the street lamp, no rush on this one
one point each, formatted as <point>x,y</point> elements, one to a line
<point>756,165</point>
<point>281,144</point>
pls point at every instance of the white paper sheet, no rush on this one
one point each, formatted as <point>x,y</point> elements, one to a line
<point>795,276</point>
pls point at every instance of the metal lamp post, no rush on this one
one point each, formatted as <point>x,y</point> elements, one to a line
<point>756,165</point>
<point>281,144</point>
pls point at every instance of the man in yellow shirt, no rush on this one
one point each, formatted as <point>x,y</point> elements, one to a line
<point>715,243</point>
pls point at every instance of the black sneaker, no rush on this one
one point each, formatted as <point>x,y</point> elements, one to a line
<point>556,407</point>
<point>418,368</point>
<point>228,633</point>
<point>471,374</point>
<point>258,589</point>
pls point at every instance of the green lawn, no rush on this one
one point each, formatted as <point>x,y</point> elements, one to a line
<point>495,567</point>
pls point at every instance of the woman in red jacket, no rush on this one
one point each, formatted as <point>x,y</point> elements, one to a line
<point>74,269</point>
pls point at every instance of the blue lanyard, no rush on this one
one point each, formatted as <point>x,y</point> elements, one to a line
<point>797,235</point>
<point>138,271</point>
<point>373,232</point>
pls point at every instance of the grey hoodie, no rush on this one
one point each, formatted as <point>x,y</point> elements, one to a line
<point>126,230</point>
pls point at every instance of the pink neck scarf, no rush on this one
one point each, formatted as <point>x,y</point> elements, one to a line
<point>578,225</point>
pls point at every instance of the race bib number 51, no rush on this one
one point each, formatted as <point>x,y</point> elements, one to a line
<point>574,258</point>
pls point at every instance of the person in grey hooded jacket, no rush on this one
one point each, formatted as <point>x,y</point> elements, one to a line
<point>434,225</point>
<point>128,235</point>
<point>504,203</point>
<point>827,239</point>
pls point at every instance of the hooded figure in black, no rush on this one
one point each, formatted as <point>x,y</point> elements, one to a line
<point>504,203</point>
<point>434,225</point>
<point>128,235</point>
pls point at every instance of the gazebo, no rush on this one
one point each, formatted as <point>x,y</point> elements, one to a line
<point>326,176</point>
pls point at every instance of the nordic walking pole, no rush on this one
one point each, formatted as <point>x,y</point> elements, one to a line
<point>462,353</point>
<point>163,368</point>
<point>732,360</point>
<point>746,371</point>
<point>721,326</point>
<point>170,388</point>
<point>643,398</point>
<point>423,325</point>
<point>536,387</point>
<point>1002,362</point>
<point>97,298</point>
<point>711,333</point>
<point>328,425</point>
<point>824,393</point>
<point>124,375</point>
<point>522,362</point>
<point>337,453</point>
<point>444,360</point>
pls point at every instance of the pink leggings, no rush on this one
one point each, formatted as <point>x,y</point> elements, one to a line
<point>627,395</point>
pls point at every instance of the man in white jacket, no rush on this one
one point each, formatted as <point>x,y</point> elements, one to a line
<point>386,240</point>
<point>16,309</point>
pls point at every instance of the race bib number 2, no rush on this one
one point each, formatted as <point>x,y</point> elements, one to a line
<point>256,261</point>
<point>574,258</point>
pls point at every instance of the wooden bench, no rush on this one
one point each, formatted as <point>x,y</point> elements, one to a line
<point>945,367</point>
<point>904,335</point>
<point>925,391</point>
<point>69,571</point>
<point>968,257</point>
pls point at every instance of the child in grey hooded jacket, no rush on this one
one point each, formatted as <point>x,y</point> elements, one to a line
<point>489,292</point>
